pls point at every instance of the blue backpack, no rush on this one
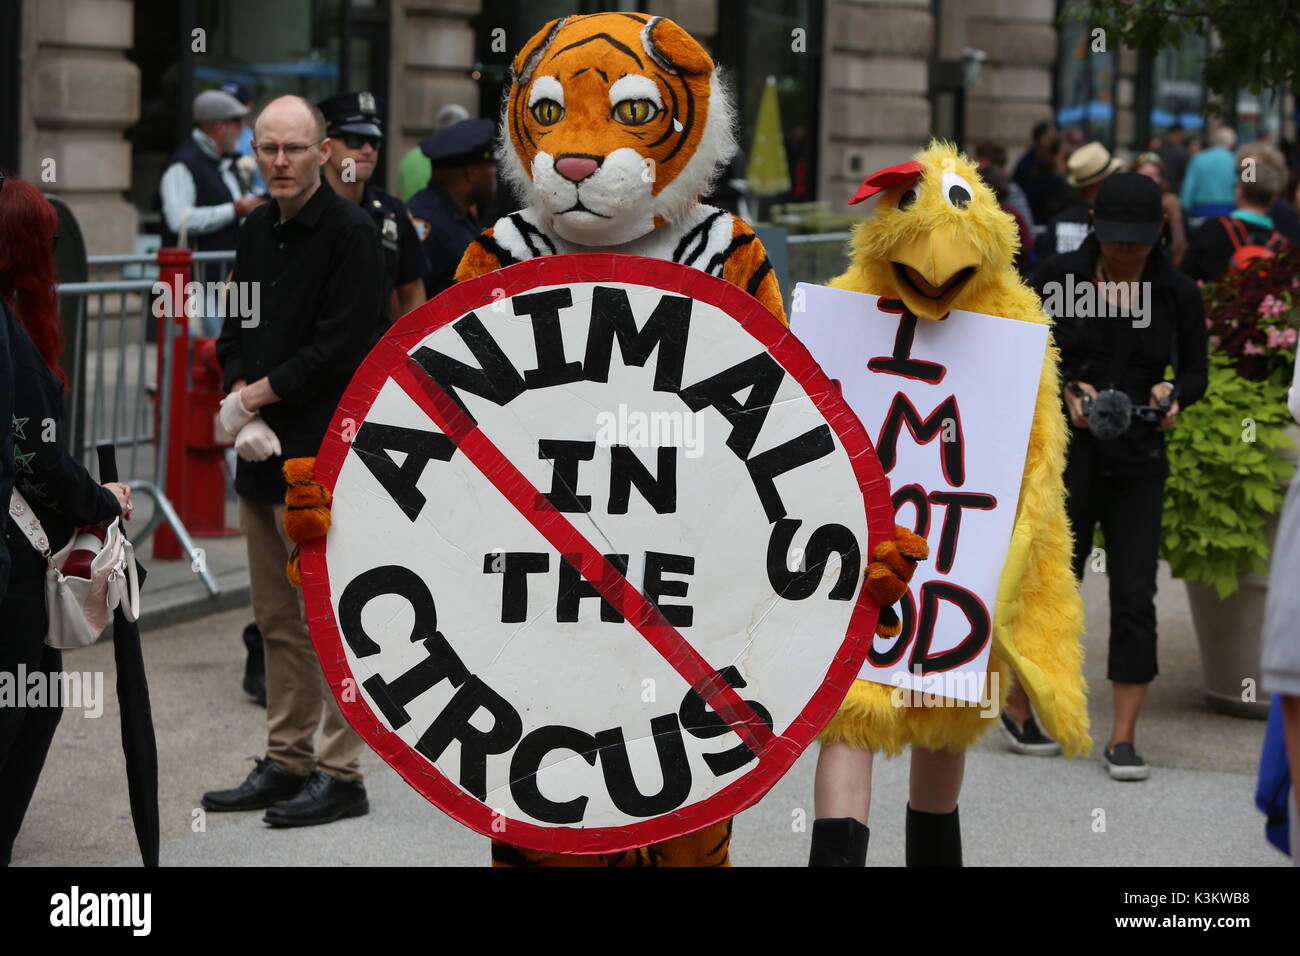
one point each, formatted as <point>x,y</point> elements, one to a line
<point>1274,780</point>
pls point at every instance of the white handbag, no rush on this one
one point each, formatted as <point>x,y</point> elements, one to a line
<point>79,608</point>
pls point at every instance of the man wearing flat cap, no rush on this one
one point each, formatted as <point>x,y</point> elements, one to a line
<point>354,125</point>
<point>464,174</point>
<point>201,195</point>
<point>202,198</point>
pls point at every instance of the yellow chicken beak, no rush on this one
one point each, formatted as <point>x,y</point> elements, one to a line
<point>932,269</point>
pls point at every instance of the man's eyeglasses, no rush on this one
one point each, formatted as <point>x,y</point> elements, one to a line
<point>356,140</point>
<point>270,151</point>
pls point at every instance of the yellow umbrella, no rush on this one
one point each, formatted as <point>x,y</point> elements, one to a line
<point>767,172</point>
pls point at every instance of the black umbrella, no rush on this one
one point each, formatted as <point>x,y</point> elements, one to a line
<point>138,741</point>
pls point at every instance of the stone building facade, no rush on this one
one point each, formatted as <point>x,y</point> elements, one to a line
<point>873,89</point>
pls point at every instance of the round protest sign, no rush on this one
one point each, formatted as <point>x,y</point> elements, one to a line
<point>594,578</point>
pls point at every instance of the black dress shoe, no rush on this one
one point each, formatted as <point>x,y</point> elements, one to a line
<point>322,799</point>
<point>266,784</point>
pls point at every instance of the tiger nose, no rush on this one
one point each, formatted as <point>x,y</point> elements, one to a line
<point>576,168</point>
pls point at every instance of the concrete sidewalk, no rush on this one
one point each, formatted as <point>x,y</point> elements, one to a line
<point>1196,810</point>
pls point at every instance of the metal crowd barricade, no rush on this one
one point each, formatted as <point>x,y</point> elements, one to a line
<point>126,373</point>
<point>817,257</point>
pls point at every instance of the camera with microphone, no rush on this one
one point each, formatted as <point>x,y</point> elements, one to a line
<point>1111,412</point>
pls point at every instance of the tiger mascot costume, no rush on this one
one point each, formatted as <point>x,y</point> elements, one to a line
<point>614,126</point>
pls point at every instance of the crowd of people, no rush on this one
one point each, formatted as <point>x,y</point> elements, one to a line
<point>338,260</point>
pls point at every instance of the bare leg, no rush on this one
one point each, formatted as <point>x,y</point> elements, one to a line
<point>842,786</point>
<point>1017,706</point>
<point>935,783</point>
<point>1128,704</point>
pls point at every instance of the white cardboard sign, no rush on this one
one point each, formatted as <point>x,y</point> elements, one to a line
<point>948,406</point>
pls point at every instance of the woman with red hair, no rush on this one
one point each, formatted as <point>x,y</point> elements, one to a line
<point>60,491</point>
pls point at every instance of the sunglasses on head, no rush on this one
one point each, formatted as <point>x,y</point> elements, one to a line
<point>356,140</point>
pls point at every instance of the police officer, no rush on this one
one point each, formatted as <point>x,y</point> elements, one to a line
<point>464,174</point>
<point>352,122</point>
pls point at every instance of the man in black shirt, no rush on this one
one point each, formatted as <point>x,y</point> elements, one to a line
<point>1088,167</point>
<point>316,259</point>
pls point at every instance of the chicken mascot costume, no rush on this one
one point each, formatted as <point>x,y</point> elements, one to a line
<point>615,125</point>
<point>938,241</point>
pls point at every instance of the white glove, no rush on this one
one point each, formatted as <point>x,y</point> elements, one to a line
<point>234,416</point>
<point>256,441</point>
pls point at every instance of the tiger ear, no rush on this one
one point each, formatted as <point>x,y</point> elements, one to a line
<point>526,59</point>
<point>673,48</point>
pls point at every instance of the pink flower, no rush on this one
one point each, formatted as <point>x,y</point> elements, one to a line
<point>1214,341</point>
<point>1250,348</point>
<point>1289,337</point>
<point>1271,307</point>
<point>1274,337</point>
<point>1209,323</point>
<point>1295,282</point>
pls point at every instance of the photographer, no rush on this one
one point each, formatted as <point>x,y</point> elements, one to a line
<point>1120,404</point>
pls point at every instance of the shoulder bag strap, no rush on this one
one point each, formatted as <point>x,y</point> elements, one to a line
<point>25,518</point>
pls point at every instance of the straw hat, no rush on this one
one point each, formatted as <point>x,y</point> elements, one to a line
<point>1089,165</point>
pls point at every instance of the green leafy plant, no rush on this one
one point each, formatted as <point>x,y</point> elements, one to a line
<point>1226,478</point>
<point>1258,44</point>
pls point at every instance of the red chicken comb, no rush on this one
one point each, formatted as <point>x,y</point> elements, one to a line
<point>883,179</point>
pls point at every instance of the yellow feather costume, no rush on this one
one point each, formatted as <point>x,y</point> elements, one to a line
<point>1039,615</point>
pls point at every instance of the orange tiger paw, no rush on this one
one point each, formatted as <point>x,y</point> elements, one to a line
<point>307,511</point>
<point>890,571</point>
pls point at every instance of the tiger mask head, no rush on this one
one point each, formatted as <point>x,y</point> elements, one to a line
<point>615,124</point>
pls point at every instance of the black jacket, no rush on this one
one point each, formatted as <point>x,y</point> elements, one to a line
<point>61,492</point>
<point>320,276</point>
<point>1175,336</point>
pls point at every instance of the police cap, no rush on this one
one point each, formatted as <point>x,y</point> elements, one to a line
<point>461,144</point>
<point>358,113</point>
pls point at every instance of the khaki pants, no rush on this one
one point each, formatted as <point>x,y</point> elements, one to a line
<point>296,689</point>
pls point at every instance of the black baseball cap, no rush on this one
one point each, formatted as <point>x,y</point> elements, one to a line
<point>1128,208</point>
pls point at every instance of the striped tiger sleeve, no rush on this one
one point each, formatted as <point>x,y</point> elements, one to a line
<point>482,256</point>
<point>747,266</point>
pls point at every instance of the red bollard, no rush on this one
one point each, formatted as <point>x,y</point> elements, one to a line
<point>202,503</point>
<point>175,266</point>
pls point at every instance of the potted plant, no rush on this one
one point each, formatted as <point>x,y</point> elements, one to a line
<point>1231,456</point>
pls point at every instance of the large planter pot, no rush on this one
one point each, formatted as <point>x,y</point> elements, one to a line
<point>1228,631</point>
<point>1228,634</point>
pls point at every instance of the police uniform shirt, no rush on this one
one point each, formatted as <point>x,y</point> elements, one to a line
<point>445,233</point>
<point>404,259</point>
<point>319,276</point>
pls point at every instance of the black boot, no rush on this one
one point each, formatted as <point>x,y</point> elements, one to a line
<point>933,839</point>
<point>839,841</point>
<point>255,665</point>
